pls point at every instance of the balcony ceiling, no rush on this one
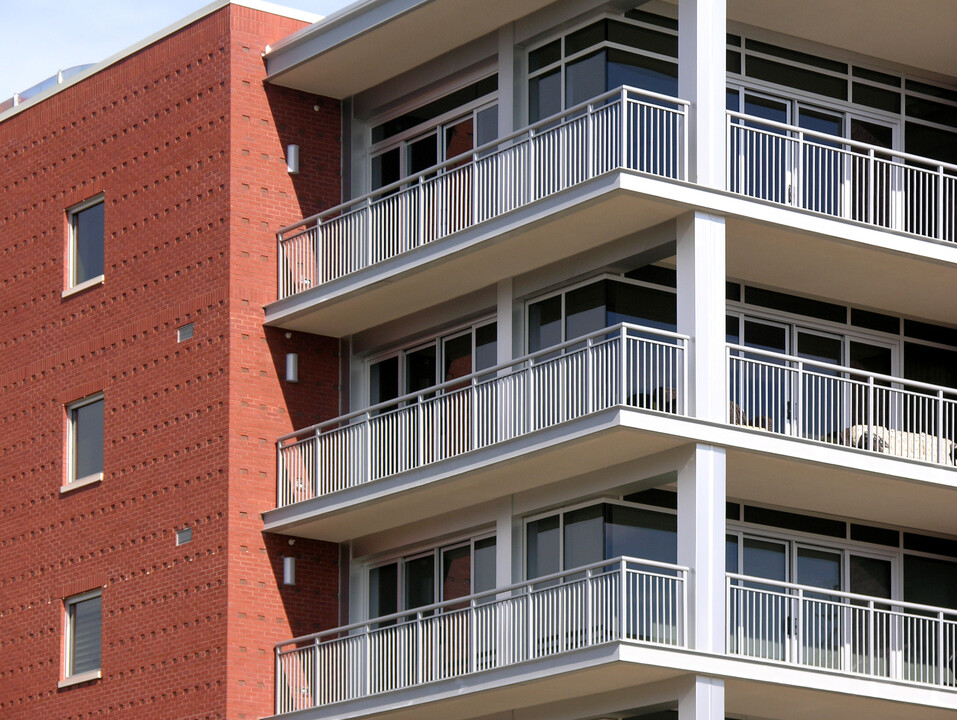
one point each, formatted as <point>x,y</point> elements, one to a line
<point>370,42</point>
<point>919,33</point>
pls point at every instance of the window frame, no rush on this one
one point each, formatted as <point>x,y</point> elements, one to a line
<point>72,213</point>
<point>71,481</point>
<point>69,607</point>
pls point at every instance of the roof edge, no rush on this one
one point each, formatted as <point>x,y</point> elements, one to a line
<point>261,5</point>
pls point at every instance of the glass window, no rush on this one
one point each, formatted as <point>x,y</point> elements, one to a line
<point>585,78</point>
<point>419,581</point>
<point>456,572</point>
<point>545,323</point>
<point>642,72</point>
<point>383,590</point>
<point>544,95</point>
<point>423,154</point>
<point>86,439</point>
<point>930,582</point>
<point>384,380</point>
<point>386,169</point>
<point>583,533</point>
<point>484,570</point>
<point>420,369</point>
<point>486,346</point>
<point>585,310</point>
<point>486,125</point>
<point>542,547</point>
<point>84,618</point>
<point>641,533</point>
<point>87,232</point>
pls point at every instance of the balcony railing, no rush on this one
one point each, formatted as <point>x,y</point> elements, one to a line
<point>620,600</point>
<point>831,630</point>
<point>841,406</point>
<point>622,129</point>
<point>623,365</point>
<point>841,177</point>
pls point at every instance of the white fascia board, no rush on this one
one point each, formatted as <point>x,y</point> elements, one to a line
<point>261,5</point>
<point>334,30</point>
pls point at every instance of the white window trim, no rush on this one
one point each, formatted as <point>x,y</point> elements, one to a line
<point>71,482</point>
<point>71,213</point>
<point>70,678</point>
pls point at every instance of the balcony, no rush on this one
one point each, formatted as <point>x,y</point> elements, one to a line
<point>614,601</point>
<point>623,129</point>
<point>489,642</point>
<point>838,405</point>
<point>625,365</point>
<point>841,632</point>
<point>835,176</point>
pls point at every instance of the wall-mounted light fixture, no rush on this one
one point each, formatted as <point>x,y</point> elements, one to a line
<point>292,159</point>
<point>292,367</point>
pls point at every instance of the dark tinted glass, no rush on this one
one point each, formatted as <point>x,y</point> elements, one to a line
<point>931,142</point>
<point>733,60</point>
<point>656,497</point>
<point>88,235</point>
<point>642,306</point>
<point>875,321</point>
<point>584,536</point>
<point>586,37</point>
<point>544,96</point>
<point>796,77</point>
<point>420,582</point>
<point>585,310</point>
<point>645,73</point>
<point>88,440</point>
<point>641,533</point>
<point>544,56</point>
<point>652,19</point>
<point>384,380</point>
<point>930,582</point>
<point>797,56</point>
<point>545,323</point>
<point>385,169</point>
<point>584,79</point>
<point>643,38</point>
<point>435,108</point>
<point>484,570</point>
<point>930,544</point>
<point>931,111</point>
<point>541,545</point>
<point>383,590</point>
<point>796,304</point>
<point>795,521</point>
<point>486,346</point>
<point>875,76</point>
<point>930,365</point>
<point>925,89</point>
<point>87,618</point>
<point>878,536</point>
<point>654,274</point>
<point>876,97</point>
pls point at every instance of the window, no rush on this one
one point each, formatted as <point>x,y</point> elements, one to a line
<point>437,575</point>
<point>86,243</point>
<point>83,620</point>
<point>86,440</point>
<point>439,360</point>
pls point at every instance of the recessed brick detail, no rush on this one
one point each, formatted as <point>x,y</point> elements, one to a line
<point>173,136</point>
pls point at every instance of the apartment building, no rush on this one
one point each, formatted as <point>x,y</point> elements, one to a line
<point>648,370</point>
<point>614,377</point>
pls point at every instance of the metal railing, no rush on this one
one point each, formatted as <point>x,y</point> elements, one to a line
<point>832,630</point>
<point>838,405</point>
<point>837,176</point>
<point>624,599</point>
<point>622,365</point>
<point>622,129</point>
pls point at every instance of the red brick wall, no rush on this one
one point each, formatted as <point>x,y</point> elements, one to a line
<point>263,406</point>
<point>189,427</point>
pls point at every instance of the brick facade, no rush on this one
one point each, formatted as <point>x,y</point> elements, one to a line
<point>187,147</point>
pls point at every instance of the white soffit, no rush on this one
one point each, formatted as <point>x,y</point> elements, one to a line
<point>371,42</point>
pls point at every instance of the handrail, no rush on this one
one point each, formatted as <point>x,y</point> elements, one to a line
<point>841,369</point>
<point>622,562</point>
<point>840,593</point>
<point>485,373</point>
<point>838,140</point>
<point>412,179</point>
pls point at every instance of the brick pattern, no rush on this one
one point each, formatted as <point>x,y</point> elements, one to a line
<point>187,147</point>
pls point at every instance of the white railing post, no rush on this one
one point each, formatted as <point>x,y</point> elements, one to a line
<point>279,681</point>
<point>624,128</point>
<point>588,608</point>
<point>684,140</point>
<point>281,481</point>
<point>623,607</point>
<point>589,142</point>
<point>419,432</point>
<point>683,633</point>
<point>941,655</point>
<point>367,662</point>
<point>369,252</point>
<point>419,201</point>
<point>871,187</point>
<point>473,638</point>
<point>320,278</point>
<point>530,395</point>
<point>730,648</point>
<point>623,361</point>
<point>940,203</point>
<point>796,404</point>
<point>940,426</point>
<point>531,165</point>
<point>798,629</point>
<point>799,170</point>
<point>367,435</point>
<point>316,466</point>
<point>315,673</point>
<point>473,401</point>
<point>417,629</point>
<point>871,645</point>
<point>870,414</point>
<point>589,350</point>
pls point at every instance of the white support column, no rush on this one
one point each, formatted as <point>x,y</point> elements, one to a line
<point>701,699</point>
<point>504,317</point>
<point>701,544</point>
<point>504,540</point>
<point>702,30</point>
<point>701,311</point>
<point>506,79</point>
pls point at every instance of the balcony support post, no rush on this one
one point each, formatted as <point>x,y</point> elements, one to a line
<point>701,309</point>
<point>701,80</point>
<point>701,544</point>
<point>701,698</point>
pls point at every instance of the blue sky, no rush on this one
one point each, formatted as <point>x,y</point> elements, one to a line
<point>40,37</point>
